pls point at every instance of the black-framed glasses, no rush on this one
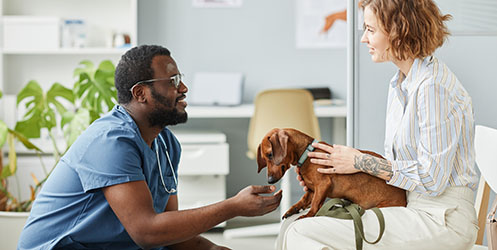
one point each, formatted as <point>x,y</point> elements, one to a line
<point>176,80</point>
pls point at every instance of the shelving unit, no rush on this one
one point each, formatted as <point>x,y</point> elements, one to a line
<point>102,19</point>
<point>65,51</point>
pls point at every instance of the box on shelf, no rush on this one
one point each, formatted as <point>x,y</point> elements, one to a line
<point>73,33</point>
<point>31,32</point>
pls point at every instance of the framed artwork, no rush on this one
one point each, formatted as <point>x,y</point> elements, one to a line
<point>321,24</point>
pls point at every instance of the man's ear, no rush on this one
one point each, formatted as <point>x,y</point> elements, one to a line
<point>139,93</point>
<point>260,160</point>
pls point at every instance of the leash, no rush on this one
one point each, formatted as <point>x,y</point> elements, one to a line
<point>344,209</point>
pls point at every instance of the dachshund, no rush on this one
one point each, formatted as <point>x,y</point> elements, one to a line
<point>282,148</point>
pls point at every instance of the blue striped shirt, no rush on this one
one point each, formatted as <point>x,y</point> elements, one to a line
<point>430,130</point>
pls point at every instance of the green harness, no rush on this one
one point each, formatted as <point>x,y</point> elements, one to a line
<point>344,209</point>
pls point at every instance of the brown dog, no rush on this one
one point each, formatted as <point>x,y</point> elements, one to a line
<point>281,148</point>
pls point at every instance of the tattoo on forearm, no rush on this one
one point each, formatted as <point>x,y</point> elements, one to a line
<point>374,166</point>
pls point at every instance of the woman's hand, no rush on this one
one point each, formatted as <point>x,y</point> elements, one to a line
<point>336,160</point>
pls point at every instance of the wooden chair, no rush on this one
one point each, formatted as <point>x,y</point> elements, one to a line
<point>486,159</point>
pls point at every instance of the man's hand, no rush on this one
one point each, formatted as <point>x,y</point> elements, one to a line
<point>249,202</point>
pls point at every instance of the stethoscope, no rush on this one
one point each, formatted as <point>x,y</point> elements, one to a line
<point>170,165</point>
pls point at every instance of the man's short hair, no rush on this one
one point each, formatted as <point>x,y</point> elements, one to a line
<point>415,28</point>
<point>134,66</point>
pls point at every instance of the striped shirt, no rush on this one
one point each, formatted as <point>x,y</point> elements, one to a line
<point>430,130</point>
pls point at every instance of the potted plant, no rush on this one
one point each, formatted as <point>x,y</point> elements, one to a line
<point>11,223</point>
<point>59,110</point>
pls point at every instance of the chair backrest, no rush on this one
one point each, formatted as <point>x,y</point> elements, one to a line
<point>486,159</point>
<point>281,108</point>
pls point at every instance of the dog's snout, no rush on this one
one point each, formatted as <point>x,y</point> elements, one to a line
<point>272,180</point>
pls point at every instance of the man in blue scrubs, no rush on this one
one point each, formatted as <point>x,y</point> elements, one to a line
<point>115,188</point>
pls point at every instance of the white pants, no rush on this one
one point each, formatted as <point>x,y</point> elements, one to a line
<point>447,221</point>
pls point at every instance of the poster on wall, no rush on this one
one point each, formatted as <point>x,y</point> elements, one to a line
<point>321,24</point>
<point>217,3</point>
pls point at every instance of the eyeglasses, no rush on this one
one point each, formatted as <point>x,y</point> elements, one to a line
<point>176,80</point>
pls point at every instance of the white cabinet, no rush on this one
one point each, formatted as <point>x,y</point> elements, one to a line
<point>203,167</point>
<point>204,159</point>
<point>32,59</point>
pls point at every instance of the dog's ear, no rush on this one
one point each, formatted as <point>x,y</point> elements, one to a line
<point>260,160</point>
<point>283,138</point>
<point>279,142</point>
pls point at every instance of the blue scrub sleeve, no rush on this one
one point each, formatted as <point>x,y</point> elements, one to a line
<point>111,157</point>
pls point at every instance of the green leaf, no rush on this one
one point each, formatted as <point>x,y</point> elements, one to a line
<point>3,133</point>
<point>41,108</point>
<point>95,87</point>
<point>49,120</point>
<point>66,118</point>
<point>12,154</point>
<point>94,116</point>
<point>59,91</point>
<point>107,66</point>
<point>33,121</point>
<point>81,88</point>
<point>30,128</point>
<point>32,89</point>
<point>5,172</point>
<point>24,141</point>
<point>88,68</point>
<point>79,122</point>
<point>1,94</point>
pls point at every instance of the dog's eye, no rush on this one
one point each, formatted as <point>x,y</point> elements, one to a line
<point>270,155</point>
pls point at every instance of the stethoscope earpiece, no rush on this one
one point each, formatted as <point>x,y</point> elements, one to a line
<point>170,165</point>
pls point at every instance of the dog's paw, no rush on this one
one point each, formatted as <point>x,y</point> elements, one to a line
<point>290,212</point>
<point>303,216</point>
<point>286,215</point>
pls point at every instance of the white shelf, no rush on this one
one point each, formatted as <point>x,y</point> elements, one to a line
<point>247,110</point>
<point>49,63</point>
<point>65,51</point>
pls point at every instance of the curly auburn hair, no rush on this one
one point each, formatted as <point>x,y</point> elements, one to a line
<point>415,28</point>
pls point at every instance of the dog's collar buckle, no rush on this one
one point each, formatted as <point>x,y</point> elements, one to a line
<point>304,156</point>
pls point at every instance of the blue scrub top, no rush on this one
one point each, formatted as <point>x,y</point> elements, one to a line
<point>71,211</point>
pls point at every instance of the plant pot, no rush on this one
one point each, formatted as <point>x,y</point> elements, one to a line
<point>11,225</point>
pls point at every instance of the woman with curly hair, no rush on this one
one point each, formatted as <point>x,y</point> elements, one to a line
<point>428,142</point>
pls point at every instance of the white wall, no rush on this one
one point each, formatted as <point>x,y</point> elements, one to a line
<point>257,39</point>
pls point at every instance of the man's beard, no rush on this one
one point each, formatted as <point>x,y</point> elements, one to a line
<point>161,116</point>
